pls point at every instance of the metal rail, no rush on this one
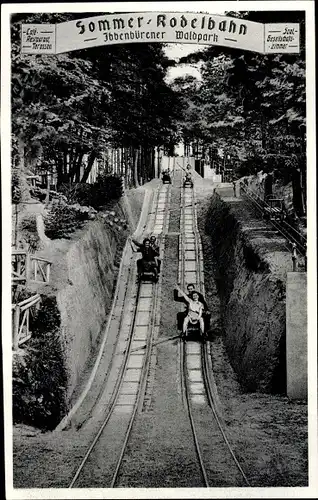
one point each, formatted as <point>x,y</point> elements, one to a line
<point>206,364</point>
<point>111,405</point>
<point>142,387</point>
<point>183,368</point>
<point>207,369</point>
<point>146,365</point>
<point>119,382</point>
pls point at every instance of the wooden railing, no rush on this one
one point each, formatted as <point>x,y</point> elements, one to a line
<point>39,269</point>
<point>28,267</point>
<point>19,270</point>
<point>21,320</point>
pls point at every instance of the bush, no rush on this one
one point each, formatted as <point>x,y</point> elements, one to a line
<point>106,189</point>
<point>80,192</point>
<point>29,232</point>
<point>38,193</point>
<point>250,166</point>
<point>61,221</point>
<point>39,373</point>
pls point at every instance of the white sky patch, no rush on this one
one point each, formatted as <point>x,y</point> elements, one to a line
<point>176,51</point>
<point>183,70</point>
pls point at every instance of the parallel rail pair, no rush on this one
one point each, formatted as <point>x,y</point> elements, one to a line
<point>192,271</point>
<point>141,331</point>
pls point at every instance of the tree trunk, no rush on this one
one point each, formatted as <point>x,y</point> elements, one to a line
<point>59,172</point>
<point>74,165</point>
<point>303,192</point>
<point>136,180</point>
<point>297,195</point>
<point>48,183</point>
<point>78,168</point>
<point>88,168</point>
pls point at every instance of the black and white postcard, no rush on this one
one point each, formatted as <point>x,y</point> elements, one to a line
<point>159,250</point>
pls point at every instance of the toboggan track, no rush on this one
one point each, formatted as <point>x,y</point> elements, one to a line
<point>158,224</point>
<point>188,234</point>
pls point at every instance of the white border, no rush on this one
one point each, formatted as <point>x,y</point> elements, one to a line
<point>213,8</point>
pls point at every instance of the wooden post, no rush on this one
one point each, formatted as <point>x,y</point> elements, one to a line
<point>18,261</point>
<point>27,321</point>
<point>16,320</point>
<point>48,269</point>
<point>16,226</point>
<point>27,266</point>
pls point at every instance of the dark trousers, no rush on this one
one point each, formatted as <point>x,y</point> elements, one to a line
<point>140,265</point>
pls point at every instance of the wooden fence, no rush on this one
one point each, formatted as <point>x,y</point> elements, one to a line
<point>28,267</point>
<point>19,269</point>
<point>21,313</point>
<point>39,269</point>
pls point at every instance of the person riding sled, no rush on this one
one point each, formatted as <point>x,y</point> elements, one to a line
<point>181,315</point>
<point>148,254</point>
<point>194,313</point>
<point>154,245</point>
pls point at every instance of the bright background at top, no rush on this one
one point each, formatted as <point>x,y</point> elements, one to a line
<point>176,51</point>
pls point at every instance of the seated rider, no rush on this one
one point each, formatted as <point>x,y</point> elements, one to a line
<point>195,310</point>
<point>154,245</point>
<point>181,315</point>
<point>148,253</point>
<point>188,176</point>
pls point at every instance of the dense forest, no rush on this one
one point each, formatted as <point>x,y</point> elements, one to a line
<point>250,106</point>
<point>67,110</point>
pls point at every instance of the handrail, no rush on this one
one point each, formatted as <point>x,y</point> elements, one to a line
<point>302,245</point>
<point>25,301</point>
<point>245,188</point>
<point>34,257</point>
<point>21,321</point>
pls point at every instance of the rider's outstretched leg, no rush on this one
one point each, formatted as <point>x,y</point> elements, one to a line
<point>203,335</point>
<point>139,268</point>
<point>185,327</point>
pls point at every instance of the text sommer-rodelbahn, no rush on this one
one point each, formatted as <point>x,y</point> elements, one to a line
<point>195,23</point>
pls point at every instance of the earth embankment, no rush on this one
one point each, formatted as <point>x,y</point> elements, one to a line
<point>250,261</point>
<point>75,304</point>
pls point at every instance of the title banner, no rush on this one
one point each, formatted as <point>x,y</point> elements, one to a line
<point>150,27</point>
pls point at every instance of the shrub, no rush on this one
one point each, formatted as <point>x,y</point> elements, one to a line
<point>250,166</point>
<point>39,373</point>
<point>61,221</point>
<point>38,193</point>
<point>106,189</point>
<point>29,232</point>
<point>80,192</point>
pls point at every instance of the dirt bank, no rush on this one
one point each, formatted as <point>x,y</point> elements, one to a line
<point>251,264</point>
<point>83,276</point>
<point>268,432</point>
